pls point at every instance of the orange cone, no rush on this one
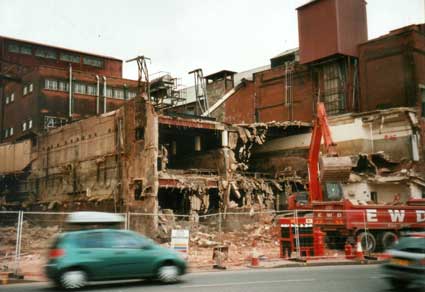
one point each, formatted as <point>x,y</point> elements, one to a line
<point>359,251</point>
<point>254,259</point>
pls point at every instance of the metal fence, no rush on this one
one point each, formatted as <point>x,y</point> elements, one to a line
<point>25,237</point>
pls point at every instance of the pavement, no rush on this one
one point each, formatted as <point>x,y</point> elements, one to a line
<point>348,278</point>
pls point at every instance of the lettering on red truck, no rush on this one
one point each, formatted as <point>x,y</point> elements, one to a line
<point>420,216</point>
<point>394,215</point>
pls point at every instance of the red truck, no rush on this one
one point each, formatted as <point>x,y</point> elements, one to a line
<point>376,226</point>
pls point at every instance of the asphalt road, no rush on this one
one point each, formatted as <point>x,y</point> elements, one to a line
<point>311,279</point>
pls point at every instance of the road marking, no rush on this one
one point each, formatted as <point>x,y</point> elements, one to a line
<point>247,283</point>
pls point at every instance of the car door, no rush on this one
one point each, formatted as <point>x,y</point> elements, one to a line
<point>128,258</point>
<point>92,254</point>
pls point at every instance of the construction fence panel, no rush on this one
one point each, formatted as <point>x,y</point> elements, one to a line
<point>38,231</point>
<point>9,222</point>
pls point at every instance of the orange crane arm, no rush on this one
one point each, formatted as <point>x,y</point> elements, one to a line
<point>320,129</point>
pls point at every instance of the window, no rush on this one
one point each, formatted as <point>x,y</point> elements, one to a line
<point>63,86</point>
<point>124,240</point>
<point>7,99</point>
<point>30,124</point>
<point>30,87</point>
<point>131,94</point>
<point>12,97</point>
<point>11,132</point>
<point>91,240</point>
<point>24,126</point>
<point>45,53</point>
<point>80,88</point>
<point>92,61</point>
<point>50,84</point>
<point>13,48</point>
<point>6,132</point>
<point>109,92</point>
<point>25,90</point>
<point>91,89</point>
<point>53,122</point>
<point>26,50</point>
<point>70,58</point>
<point>119,93</point>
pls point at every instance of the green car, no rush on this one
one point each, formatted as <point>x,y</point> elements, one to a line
<point>107,254</point>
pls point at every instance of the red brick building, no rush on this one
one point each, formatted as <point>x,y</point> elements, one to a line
<point>34,87</point>
<point>324,68</point>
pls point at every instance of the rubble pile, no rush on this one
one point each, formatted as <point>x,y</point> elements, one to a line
<point>239,243</point>
<point>34,238</point>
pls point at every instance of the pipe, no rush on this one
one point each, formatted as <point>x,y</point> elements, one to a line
<point>104,94</point>
<point>97,94</point>
<point>70,92</point>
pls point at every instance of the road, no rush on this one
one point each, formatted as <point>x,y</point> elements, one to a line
<point>314,279</point>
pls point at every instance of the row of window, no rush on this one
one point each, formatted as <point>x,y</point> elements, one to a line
<point>27,125</point>
<point>89,89</point>
<point>26,90</point>
<point>10,98</point>
<point>8,132</point>
<point>51,54</point>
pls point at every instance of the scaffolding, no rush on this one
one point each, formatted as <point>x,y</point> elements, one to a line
<point>200,90</point>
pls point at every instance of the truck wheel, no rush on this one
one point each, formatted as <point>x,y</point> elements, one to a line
<point>387,239</point>
<point>368,241</point>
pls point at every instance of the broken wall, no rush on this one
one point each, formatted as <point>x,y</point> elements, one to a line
<point>77,161</point>
<point>15,157</point>
<point>386,193</point>
<point>140,173</point>
<point>389,131</point>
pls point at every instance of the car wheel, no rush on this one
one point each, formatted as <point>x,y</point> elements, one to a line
<point>168,273</point>
<point>73,279</point>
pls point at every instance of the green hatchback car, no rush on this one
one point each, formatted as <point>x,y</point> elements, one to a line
<point>78,257</point>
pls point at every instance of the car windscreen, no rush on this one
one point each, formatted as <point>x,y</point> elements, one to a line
<point>411,244</point>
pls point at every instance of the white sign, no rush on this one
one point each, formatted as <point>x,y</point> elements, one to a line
<point>180,241</point>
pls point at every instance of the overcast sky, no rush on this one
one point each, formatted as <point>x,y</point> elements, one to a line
<point>181,35</point>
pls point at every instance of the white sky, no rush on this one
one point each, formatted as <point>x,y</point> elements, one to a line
<point>181,35</point>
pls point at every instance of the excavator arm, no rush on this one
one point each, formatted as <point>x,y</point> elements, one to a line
<point>333,168</point>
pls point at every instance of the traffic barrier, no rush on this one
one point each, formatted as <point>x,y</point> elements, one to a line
<point>359,251</point>
<point>348,248</point>
<point>255,262</point>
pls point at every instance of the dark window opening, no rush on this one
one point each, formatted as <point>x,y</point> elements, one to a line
<point>138,187</point>
<point>374,197</point>
<point>422,92</point>
<point>174,199</point>
<point>140,133</point>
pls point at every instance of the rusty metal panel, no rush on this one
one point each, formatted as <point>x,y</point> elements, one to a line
<point>329,27</point>
<point>15,157</point>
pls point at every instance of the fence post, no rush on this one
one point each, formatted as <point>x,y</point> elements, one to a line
<point>18,241</point>
<point>219,225</point>
<point>366,233</point>
<point>297,235</point>
<point>128,216</point>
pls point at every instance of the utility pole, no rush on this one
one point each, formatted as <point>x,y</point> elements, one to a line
<point>200,90</point>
